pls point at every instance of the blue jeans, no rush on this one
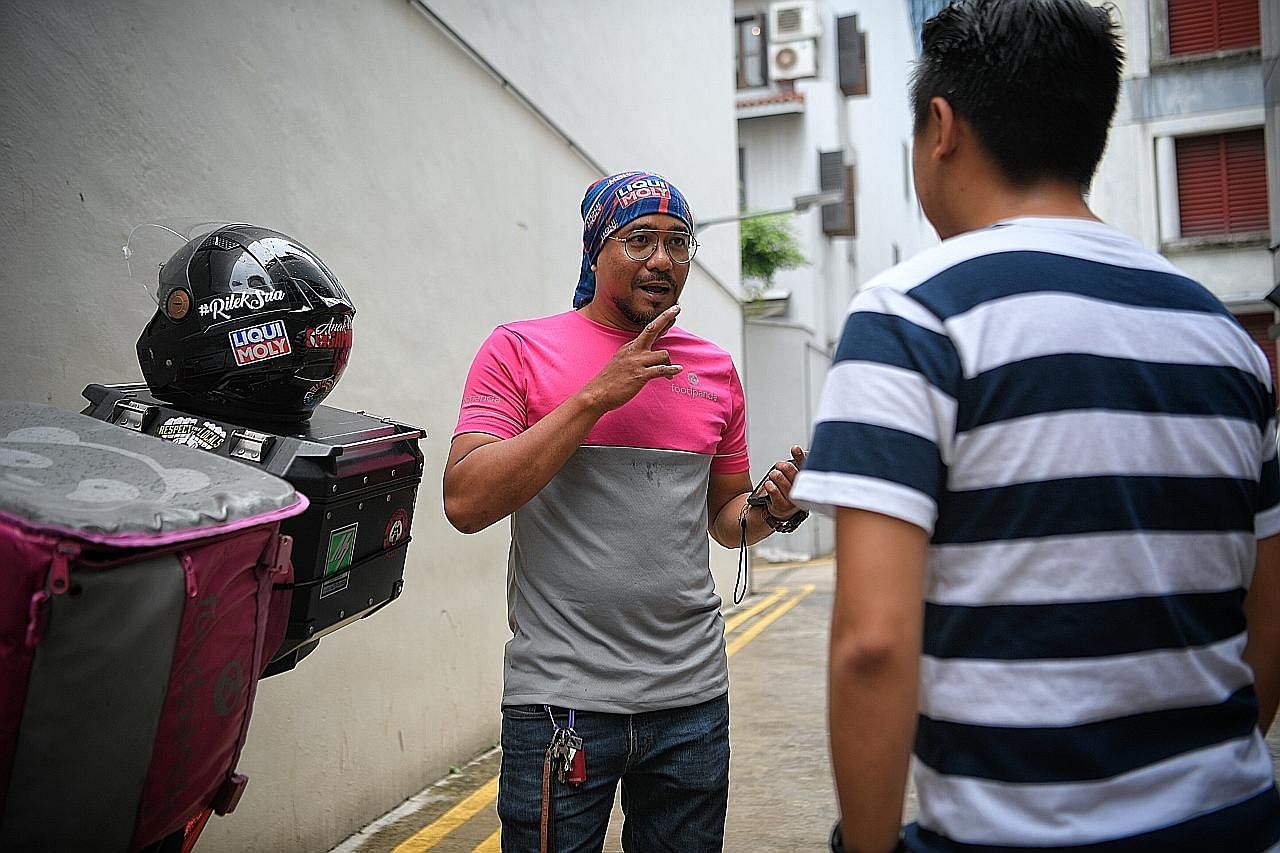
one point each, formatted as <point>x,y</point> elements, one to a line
<point>673,765</point>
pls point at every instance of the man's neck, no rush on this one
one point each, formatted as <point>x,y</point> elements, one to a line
<point>599,314</point>
<point>995,201</point>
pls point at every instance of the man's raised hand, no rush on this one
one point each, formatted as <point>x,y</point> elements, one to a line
<point>635,364</point>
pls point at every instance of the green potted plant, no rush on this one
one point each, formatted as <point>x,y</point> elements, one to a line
<point>767,246</point>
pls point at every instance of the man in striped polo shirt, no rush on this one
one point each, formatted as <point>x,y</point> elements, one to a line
<point>1052,461</point>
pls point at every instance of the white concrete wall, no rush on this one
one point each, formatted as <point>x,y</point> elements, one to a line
<point>445,208</point>
<point>880,130</point>
<point>781,357</point>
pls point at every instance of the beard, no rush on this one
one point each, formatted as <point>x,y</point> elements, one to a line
<point>643,315</point>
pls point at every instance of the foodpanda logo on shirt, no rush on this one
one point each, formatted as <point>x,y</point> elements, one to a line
<point>642,188</point>
<point>691,391</point>
<point>260,342</point>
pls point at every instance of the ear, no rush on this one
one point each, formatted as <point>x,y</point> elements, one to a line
<point>942,133</point>
<point>593,267</point>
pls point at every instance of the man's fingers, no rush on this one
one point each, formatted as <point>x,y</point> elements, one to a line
<point>788,470</point>
<point>798,455</point>
<point>660,324</point>
<point>779,500</point>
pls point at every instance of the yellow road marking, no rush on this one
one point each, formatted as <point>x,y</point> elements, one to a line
<point>738,618</point>
<point>767,620</point>
<point>492,844</point>
<point>429,836</point>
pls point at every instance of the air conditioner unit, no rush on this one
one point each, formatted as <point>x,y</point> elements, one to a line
<point>793,20</point>
<point>789,60</point>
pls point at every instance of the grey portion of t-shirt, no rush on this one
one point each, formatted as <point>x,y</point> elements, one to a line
<point>609,591</point>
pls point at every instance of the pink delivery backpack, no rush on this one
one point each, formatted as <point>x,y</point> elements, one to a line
<point>136,615</point>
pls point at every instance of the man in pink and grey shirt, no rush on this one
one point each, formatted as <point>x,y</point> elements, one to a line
<point>615,441</point>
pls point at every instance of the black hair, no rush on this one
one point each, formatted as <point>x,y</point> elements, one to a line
<point>1037,80</point>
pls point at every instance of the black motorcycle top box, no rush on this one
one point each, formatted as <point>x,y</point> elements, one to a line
<point>360,473</point>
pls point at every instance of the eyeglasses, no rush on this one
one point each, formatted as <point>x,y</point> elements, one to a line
<point>641,244</point>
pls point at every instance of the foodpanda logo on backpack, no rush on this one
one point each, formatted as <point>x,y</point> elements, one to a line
<point>260,342</point>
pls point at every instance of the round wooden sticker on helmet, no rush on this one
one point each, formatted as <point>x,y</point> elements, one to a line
<point>177,304</point>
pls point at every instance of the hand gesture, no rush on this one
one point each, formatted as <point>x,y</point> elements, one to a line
<point>778,482</point>
<point>634,365</point>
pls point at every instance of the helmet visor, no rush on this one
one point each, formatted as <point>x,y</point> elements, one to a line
<point>227,268</point>
<point>151,245</point>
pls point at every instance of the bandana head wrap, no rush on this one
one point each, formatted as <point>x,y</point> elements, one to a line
<point>611,203</point>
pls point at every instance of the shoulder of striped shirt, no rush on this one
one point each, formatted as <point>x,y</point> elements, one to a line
<point>1094,241</point>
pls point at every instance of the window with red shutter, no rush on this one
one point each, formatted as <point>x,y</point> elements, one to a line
<point>1222,183</point>
<point>1204,26</point>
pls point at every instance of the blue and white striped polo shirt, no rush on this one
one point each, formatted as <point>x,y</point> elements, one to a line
<point>1089,438</point>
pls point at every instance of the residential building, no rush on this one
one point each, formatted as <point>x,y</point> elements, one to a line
<point>1185,170</point>
<point>1271,100</point>
<point>823,83</point>
<point>822,108</point>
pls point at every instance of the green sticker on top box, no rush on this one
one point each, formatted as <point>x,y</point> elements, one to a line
<point>342,549</point>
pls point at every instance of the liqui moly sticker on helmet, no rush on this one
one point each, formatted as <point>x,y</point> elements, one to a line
<point>222,307</point>
<point>331,334</point>
<point>260,342</point>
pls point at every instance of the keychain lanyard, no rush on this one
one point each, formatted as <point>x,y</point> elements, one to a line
<point>752,500</point>
<point>566,760</point>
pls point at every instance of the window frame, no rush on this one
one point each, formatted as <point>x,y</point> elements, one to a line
<point>1233,236</point>
<point>1160,52</point>
<point>741,24</point>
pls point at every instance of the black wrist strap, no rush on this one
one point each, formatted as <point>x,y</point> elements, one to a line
<point>837,842</point>
<point>785,525</point>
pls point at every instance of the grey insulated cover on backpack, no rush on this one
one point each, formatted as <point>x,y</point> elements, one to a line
<point>72,472</point>
<point>135,588</point>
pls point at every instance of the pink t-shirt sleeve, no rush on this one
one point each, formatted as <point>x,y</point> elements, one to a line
<point>731,454</point>
<point>493,398</point>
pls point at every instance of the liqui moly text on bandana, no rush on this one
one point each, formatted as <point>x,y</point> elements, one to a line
<point>640,188</point>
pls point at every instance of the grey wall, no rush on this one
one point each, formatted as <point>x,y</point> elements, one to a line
<point>787,371</point>
<point>445,208</point>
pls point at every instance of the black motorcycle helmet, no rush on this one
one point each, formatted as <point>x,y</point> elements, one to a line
<point>251,327</point>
